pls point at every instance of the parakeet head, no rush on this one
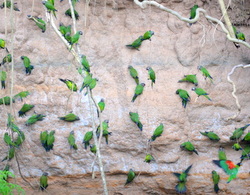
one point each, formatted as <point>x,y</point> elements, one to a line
<point>177,91</point>
<point>239,164</point>
<point>72,132</point>
<point>45,174</point>
<point>213,172</point>
<point>196,6</point>
<point>82,56</point>
<point>80,32</point>
<point>43,2</point>
<point>148,68</point>
<point>142,84</point>
<point>199,67</point>
<point>22,57</point>
<point>61,24</point>
<point>151,32</point>
<point>106,121</point>
<point>130,67</point>
<point>102,100</point>
<point>194,88</point>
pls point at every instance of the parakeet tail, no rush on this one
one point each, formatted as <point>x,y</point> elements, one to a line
<point>134,97</point>
<point>139,125</point>
<point>181,187</point>
<point>207,97</point>
<point>195,151</point>
<point>3,84</point>
<point>216,188</point>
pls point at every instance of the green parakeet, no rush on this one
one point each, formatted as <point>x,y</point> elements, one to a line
<point>105,126</point>
<point>134,74</point>
<point>70,84</point>
<point>200,91</point>
<point>2,45</point>
<point>216,180</point>
<point>134,116</point>
<point>39,22</point>
<point>151,74</point>
<point>43,138</point>
<point>157,133</point>
<point>68,13</point>
<point>92,148</point>
<point>182,179</point>
<point>247,137</point>
<point>52,2</point>
<point>222,154</point>
<point>106,134</point>
<point>7,139</point>
<point>11,154</point>
<point>44,181</point>
<point>25,108</point>
<point>50,7</point>
<point>101,105</point>
<point>85,63</point>
<point>229,168</point>
<point>11,124</point>
<point>211,135</point>
<point>86,81</point>
<point>75,38</point>
<point>20,139</point>
<point>131,176</point>
<point>6,59</point>
<point>205,73</point>
<point>87,137</point>
<point>136,44</point>
<point>191,78</point>
<point>3,76</point>
<point>238,35</point>
<point>148,35</point>
<point>193,12</point>
<point>6,100</point>
<point>50,141</point>
<point>34,118</point>
<point>65,29</point>
<point>72,141</point>
<point>237,147</point>
<point>26,63</point>
<point>8,5</point>
<point>70,117</point>
<point>149,158</point>
<point>238,132</point>
<point>184,96</point>
<point>189,147</point>
<point>21,95</point>
<point>92,85</point>
<point>138,91</point>
<point>245,153</point>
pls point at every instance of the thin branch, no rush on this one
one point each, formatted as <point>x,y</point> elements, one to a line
<point>235,89</point>
<point>145,3</point>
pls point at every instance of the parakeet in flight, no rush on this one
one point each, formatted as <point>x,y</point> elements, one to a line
<point>216,180</point>
<point>205,73</point>
<point>211,135</point>
<point>191,78</point>
<point>229,168</point>
<point>131,176</point>
<point>151,74</point>
<point>157,132</point>
<point>69,117</point>
<point>134,74</point>
<point>138,91</point>
<point>134,116</point>
<point>189,147</point>
<point>184,96</point>
<point>44,181</point>
<point>136,44</point>
<point>70,84</point>
<point>182,179</point>
<point>200,91</point>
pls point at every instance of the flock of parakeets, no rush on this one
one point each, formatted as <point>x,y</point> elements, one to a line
<point>47,138</point>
